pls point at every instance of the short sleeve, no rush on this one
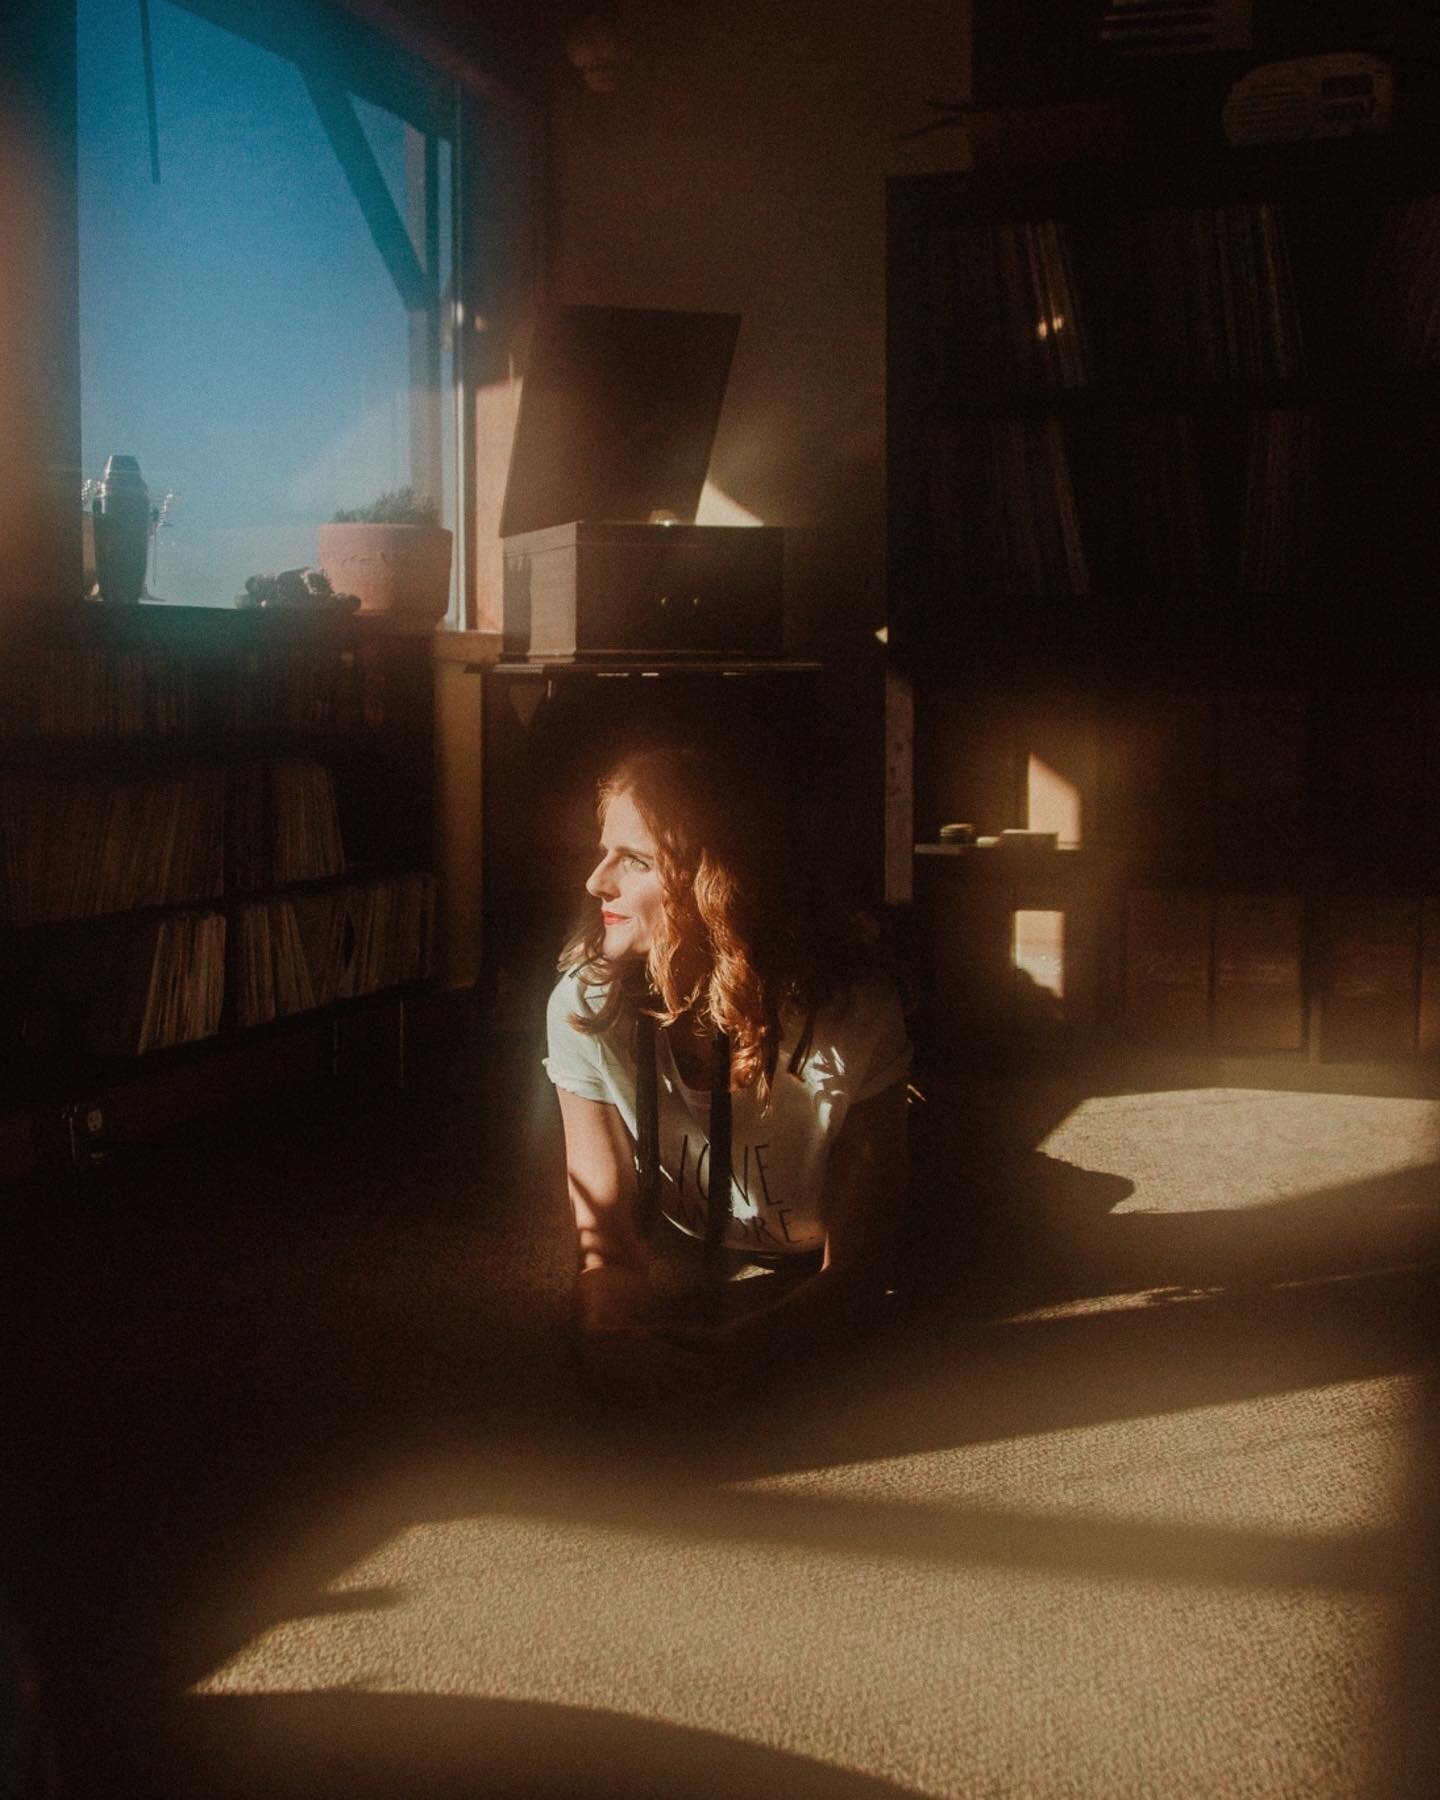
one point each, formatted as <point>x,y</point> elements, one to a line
<point>881,1049</point>
<point>574,1060</point>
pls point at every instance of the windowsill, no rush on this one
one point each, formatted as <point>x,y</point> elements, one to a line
<point>451,644</point>
<point>167,619</point>
<point>171,619</point>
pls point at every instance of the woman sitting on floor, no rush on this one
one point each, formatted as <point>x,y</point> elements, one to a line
<point>722,1028</point>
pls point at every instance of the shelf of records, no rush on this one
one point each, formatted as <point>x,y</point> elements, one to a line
<point>1124,300</point>
<point>1179,502</point>
<point>89,692</point>
<point>139,984</point>
<point>81,847</point>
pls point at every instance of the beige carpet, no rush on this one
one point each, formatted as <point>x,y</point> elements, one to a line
<point>1135,1498</point>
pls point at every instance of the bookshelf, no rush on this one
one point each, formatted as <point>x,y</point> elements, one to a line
<point>213,826</point>
<point>1165,543</point>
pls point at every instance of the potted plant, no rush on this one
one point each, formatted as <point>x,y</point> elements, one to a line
<point>395,554</point>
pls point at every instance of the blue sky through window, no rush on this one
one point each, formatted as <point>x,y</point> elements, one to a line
<point>240,333</point>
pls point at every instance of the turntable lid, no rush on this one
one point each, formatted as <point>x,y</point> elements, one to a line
<point>618,412</point>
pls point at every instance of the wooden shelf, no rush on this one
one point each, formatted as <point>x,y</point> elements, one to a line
<point>655,668</point>
<point>1216,639</point>
<point>124,755</point>
<point>52,1082</point>
<point>199,688</point>
<point>224,900</point>
<point>1053,855</point>
<point>189,630</point>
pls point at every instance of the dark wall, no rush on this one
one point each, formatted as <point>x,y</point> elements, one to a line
<point>739,164</point>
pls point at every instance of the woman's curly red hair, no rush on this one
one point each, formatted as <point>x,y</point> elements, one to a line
<point>751,937</point>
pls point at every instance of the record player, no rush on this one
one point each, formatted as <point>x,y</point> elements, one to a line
<point>603,558</point>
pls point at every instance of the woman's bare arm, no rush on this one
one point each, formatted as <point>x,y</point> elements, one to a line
<point>613,1285</point>
<point>622,1352</point>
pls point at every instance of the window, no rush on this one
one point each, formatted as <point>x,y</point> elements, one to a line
<point>267,206</point>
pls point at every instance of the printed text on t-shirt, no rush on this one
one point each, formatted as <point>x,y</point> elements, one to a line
<point>768,1226</point>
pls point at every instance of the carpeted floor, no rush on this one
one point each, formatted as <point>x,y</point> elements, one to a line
<point>1134,1497</point>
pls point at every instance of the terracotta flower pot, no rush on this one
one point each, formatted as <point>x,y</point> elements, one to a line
<point>399,571</point>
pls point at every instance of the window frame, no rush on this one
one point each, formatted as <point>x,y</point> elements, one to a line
<point>349,55</point>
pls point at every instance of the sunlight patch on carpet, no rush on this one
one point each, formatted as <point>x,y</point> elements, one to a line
<point>1321,1464</point>
<point>1105,1601</point>
<point>1228,1149</point>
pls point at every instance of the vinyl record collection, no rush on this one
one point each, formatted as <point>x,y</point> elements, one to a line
<point>86,692</point>
<point>301,689</point>
<point>313,949</point>
<point>287,823</point>
<point>1004,309</point>
<point>137,980</point>
<point>1402,288</point>
<point>74,849</point>
<point>1144,307</point>
<point>163,983</point>
<point>1166,521</point>
<point>1279,496</point>
<point>1215,292</point>
<point>1004,514</point>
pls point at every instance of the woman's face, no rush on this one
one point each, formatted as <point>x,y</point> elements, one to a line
<point>626,882</point>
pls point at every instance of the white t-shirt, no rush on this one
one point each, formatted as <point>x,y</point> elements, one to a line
<point>859,1048</point>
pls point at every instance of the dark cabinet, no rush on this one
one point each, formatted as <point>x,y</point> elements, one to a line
<point>214,827</point>
<point>1164,503</point>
